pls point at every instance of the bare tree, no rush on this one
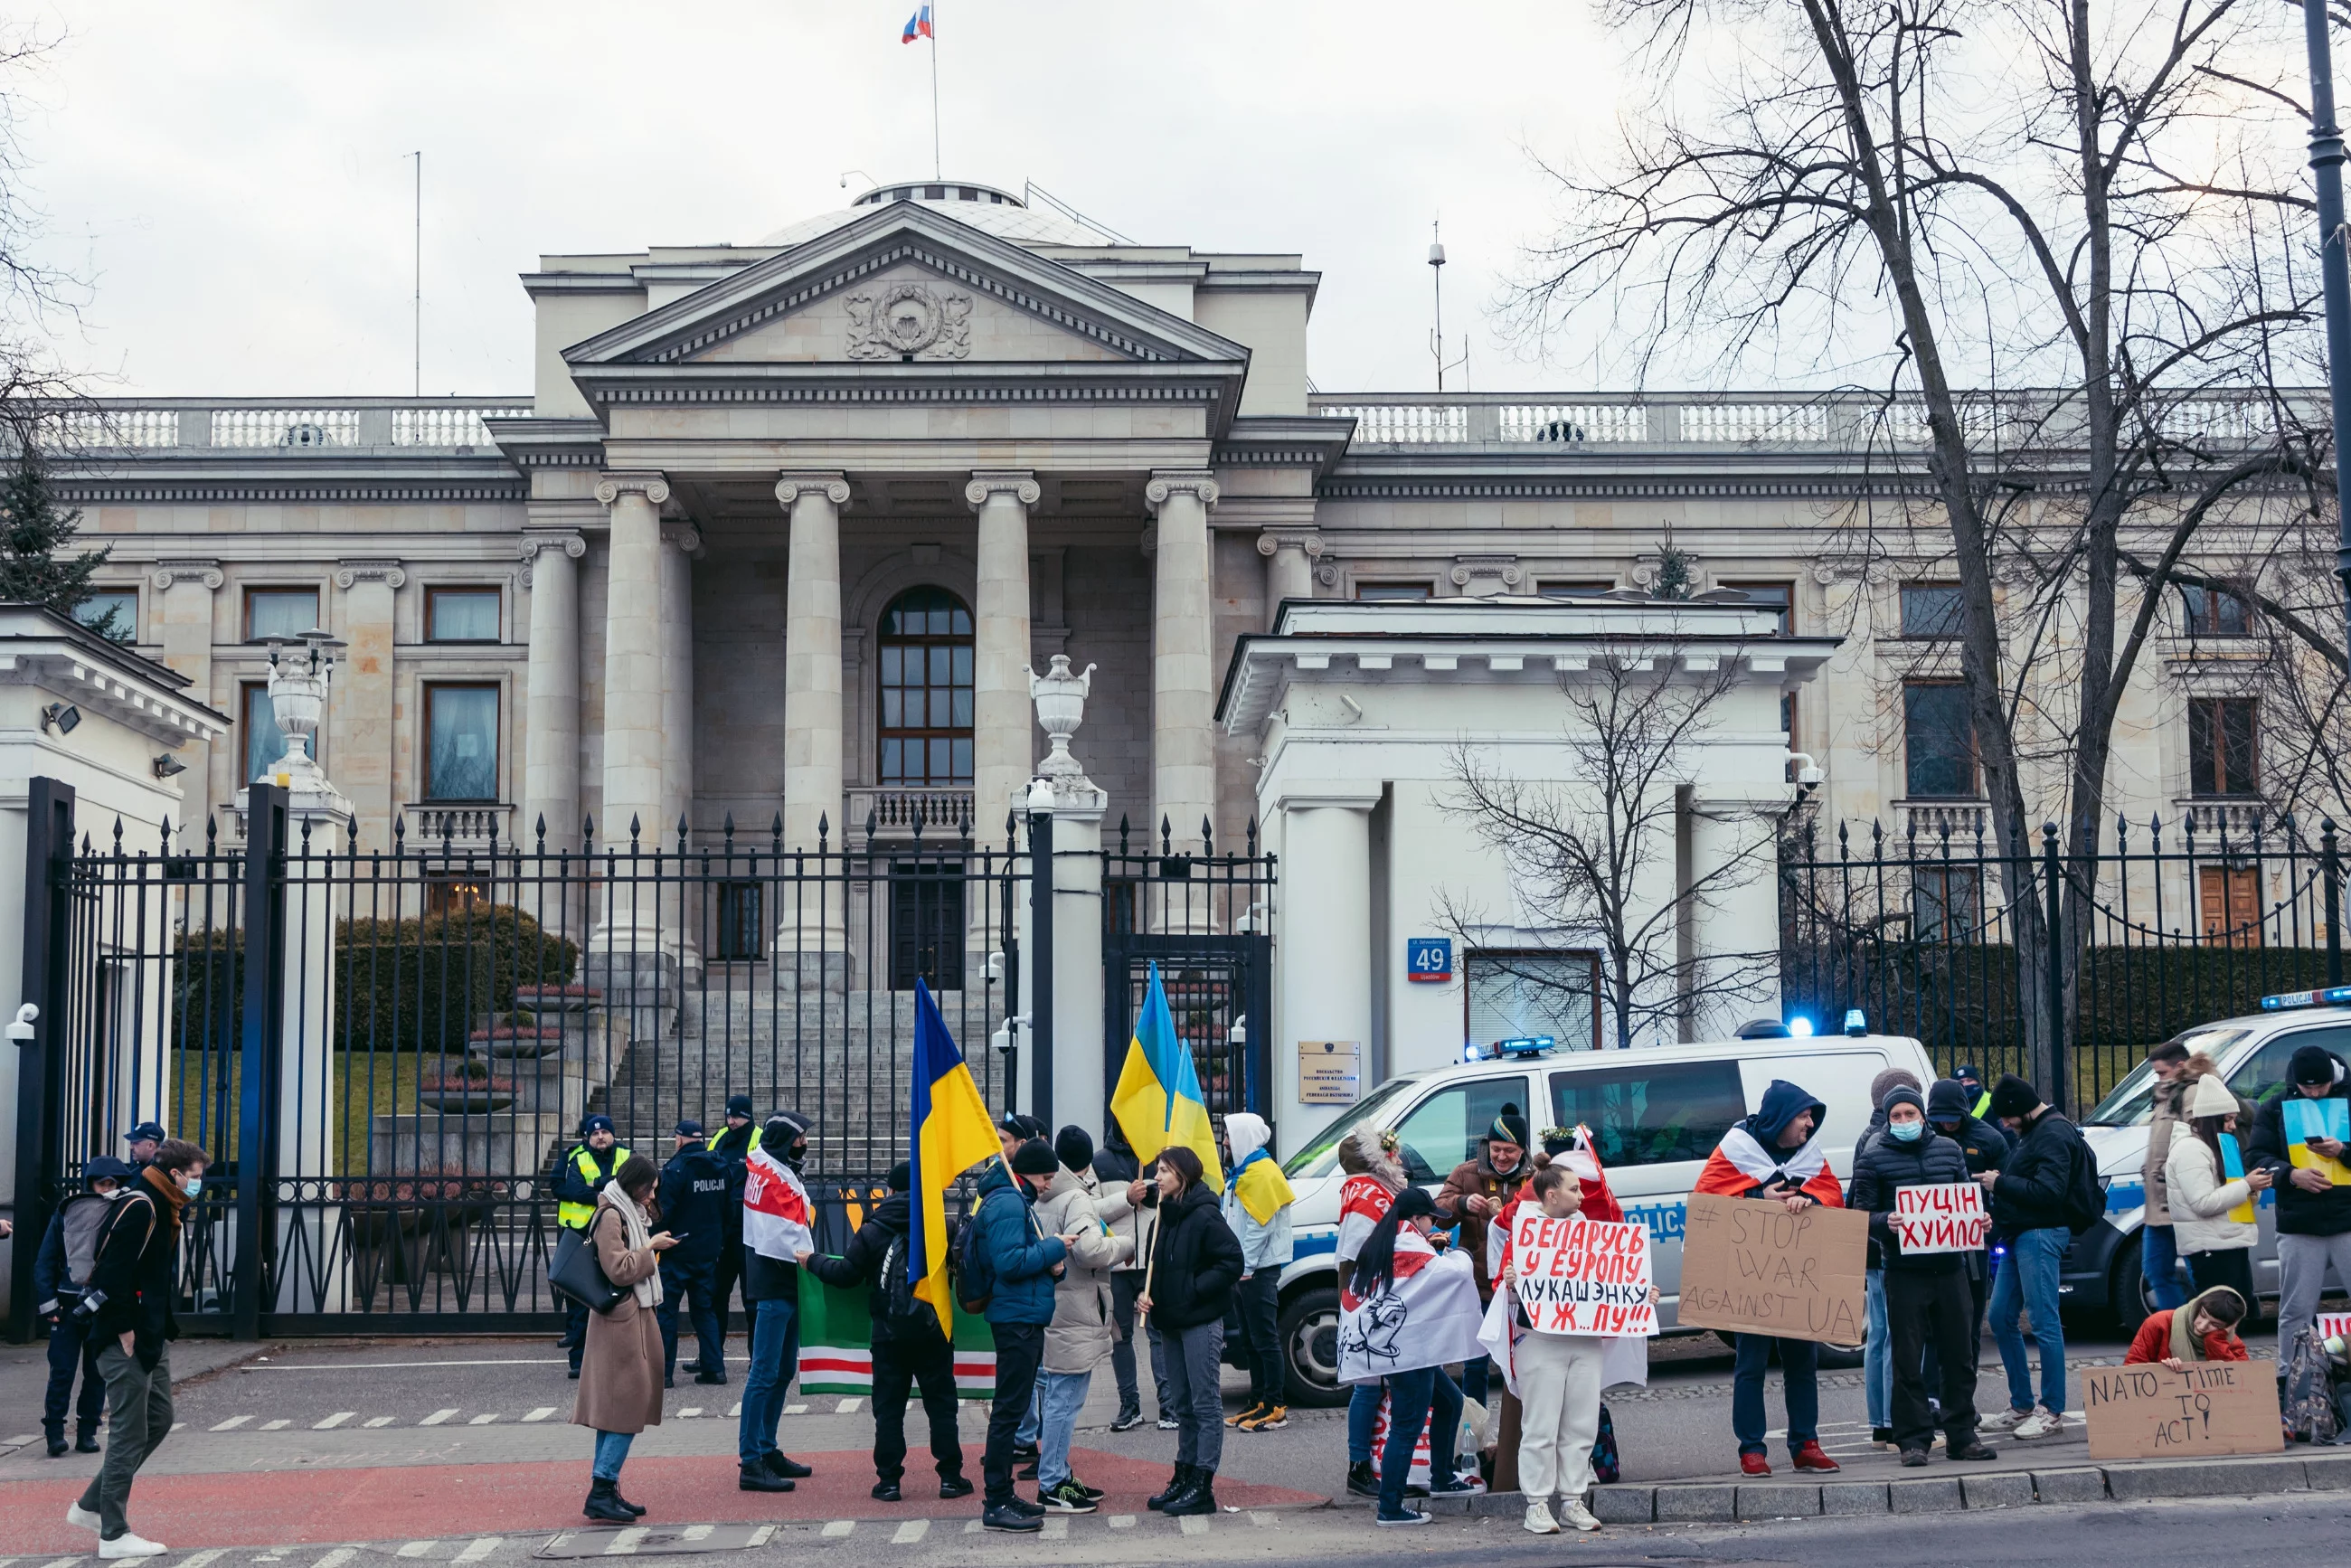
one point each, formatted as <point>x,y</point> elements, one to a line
<point>1592,850</point>
<point>2093,202</point>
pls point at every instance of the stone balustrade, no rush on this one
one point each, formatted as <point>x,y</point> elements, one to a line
<point>159,424</point>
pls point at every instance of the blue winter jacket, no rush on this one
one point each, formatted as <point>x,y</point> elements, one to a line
<point>1020,1261</point>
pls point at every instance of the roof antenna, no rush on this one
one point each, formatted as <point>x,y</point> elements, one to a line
<point>1437,334</point>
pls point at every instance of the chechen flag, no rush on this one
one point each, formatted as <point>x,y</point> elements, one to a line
<point>1427,1315</point>
<point>775,1213</point>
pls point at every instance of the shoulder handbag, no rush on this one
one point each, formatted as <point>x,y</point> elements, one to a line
<point>576,1271</point>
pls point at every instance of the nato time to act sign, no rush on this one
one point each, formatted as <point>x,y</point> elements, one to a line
<point>1583,1276</point>
<point>2207,1407</point>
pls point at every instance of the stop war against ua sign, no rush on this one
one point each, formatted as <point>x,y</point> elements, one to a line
<point>1583,1276</point>
<point>1943,1217</point>
<point>1752,1267</point>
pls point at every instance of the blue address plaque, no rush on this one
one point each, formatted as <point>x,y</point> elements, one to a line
<point>1428,958</point>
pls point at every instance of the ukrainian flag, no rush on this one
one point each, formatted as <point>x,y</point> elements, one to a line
<point>952,1132</point>
<point>1158,1100</point>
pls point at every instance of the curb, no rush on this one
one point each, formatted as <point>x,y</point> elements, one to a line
<point>1727,1502</point>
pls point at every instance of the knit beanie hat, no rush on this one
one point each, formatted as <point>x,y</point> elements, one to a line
<point>1074,1147</point>
<point>2012,1096</point>
<point>1033,1158</point>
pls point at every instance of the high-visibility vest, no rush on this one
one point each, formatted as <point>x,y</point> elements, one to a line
<point>1983,1106</point>
<point>575,1216</point>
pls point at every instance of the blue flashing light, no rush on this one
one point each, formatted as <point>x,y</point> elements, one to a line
<point>1526,1045</point>
<point>2328,996</point>
<point>1855,1024</point>
<point>1470,1052</point>
<point>1799,1028</point>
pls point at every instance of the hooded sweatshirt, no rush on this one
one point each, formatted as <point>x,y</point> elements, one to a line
<point>1250,1190</point>
<point>1749,1157</point>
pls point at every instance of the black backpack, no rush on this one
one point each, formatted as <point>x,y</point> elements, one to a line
<point>975,1279</point>
<point>904,1311</point>
<point>2086,1200</point>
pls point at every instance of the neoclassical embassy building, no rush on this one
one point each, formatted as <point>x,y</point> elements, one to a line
<point>780,527</point>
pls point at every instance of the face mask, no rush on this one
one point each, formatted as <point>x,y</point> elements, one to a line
<point>1906,1132</point>
<point>192,1185</point>
<point>794,1156</point>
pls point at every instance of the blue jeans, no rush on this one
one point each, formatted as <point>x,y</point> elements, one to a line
<point>611,1453</point>
<point>1061,1394</point>
<point>1800,1366</point>
<point>1473,1378</point>
<point>1363,1409</point>
<point>775,1362</point>
<point>1877,1356</point>
<point>1415,1397</point>
<point>2158,1264</point>
<point>1032,1424</point>
<point>2028,1282</point>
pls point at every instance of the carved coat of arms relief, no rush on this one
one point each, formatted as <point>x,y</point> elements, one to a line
<point>909,320</point>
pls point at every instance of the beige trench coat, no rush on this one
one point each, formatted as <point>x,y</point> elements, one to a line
<point>1078,1338</point>
<point>621,1369</point>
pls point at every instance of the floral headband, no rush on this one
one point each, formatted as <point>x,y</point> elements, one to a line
<point>1390,1140</point>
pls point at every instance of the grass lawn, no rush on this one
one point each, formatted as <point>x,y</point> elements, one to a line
<point>365,1084</point>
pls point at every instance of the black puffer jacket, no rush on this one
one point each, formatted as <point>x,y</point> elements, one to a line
<point>1883,1166</point>
<point>1198,1261</point>
<point>2299,1213</point>
<point>2051,1181</point>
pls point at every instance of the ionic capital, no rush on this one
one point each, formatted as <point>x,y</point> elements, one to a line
<point>207,572</point>
<point>651,486</point>
<point>1018,484</point>
<point>833,487</point>
<point>1166,486</point>
<point>388,573</point>
<point>681,537</point>
<point>1274,541</point>
<point>571,545</point>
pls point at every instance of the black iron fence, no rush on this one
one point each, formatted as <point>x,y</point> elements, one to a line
<point>1932,931</point>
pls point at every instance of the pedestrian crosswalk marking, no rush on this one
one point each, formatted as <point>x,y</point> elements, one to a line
<point>416,1549</point>
<point>337,1558</point>
<point>689,1413</point>
<point>436,1417</point>
<point>973,1528</point>
<point>789,1410</point>
<point>1256,1517</point>
<point>699,1532</point>
<point>840,1527</point>
<point>480,1549</point>
<point>540,1413</point>
<point>736,1409</point>
<point>199,1559</point>
<point>1194,1524</point>
<point>1122,1521</point>
<point>484,1419</point>
<point>624,1544</point>
<point>911,1532</point>
<point>231,1424</point>
<point>337,1419</point>
<point>62,1562</point>
<point>274,1425</point>
<point>377,1421</point>
<point>1057,1529</point>
<point>849,1407</point>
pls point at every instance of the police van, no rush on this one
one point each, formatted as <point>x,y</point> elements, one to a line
<point>1655,1116</point>
<point>2102,1269</point>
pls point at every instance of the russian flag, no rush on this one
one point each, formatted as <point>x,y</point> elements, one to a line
<point>918,25</point>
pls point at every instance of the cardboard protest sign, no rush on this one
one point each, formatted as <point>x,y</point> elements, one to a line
<point>1583,1276</point>
<point>1752,1267</point>
<point>2207,1407</point>
<point>1947,1217</point>
<point>2331,1325</point>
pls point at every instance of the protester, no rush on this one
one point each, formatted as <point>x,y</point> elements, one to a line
<point>694,1189</point>
<point>1775,1155</point>
<point>1116,1169</point>
<point>1413,1312</point>
<point>1374,1177</point>
<point>733,1147</point>
<point>1077,1206</point>
<point>2202,1329</point>
<point>619,1383</point>
<point>1257,1210</point>
<point>1927,1298</point>
<point>1877,1348</point>
<point>911,1346</point>
<point>771,1294</point>
<point>132,1286</point>
<point>1012,1132</point>
<point>1560,1378</point>
<point>1194,1263</point>
<point>1985,1147</point>
<point>61,1277</point>
<point>2047,1191</point>
<point>2313,1216</point>
<point>1471,1196</point>
<point>586,1166</point>
<point>2159,1253</point>
<point>1022,1263</point>
<point>2212,1213</point>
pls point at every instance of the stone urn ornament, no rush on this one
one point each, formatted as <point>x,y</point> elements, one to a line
<point>1061,699</point>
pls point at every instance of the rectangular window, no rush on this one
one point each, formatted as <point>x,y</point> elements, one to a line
<point>286,612</point>
<point>1403,591</point>
<point>264,742</point>
<point>1522,996</point>
<point>1939,741</point>
<point>1777,597</point>
<point>461,748</point>
<point>111,614</point>
<point>927,925</point>
<point>1930,610</point>
<point>1450,1126</point>
<point>742,923</point>
<point>2213,612</point>
<point>2229,901</point>
<point>2223,746</point>
<point>1946,903</point>
<point>1650,1116</point>
<point>461,615</point>
<point>1590,588</point>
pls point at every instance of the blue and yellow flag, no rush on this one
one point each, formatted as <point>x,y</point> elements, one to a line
<point>1158,1100</point>
<point>952,1132</point>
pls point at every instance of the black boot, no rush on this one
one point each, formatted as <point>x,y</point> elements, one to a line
<point>86,1443</point>
<point>634,1510</point>
<point>1201,1496</point>
<point>782,1464</point>
<point>760,1478</point>
<point>604,1505</point>
<point>1177,1484</point>
<point>57,1448</point>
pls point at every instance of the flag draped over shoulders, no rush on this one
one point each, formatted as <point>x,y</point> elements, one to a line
<point>1428,1315</point>
<point>1158,1101</point>
<point>951,1132</point>
<point>1364,1202</point>
<point>776,1219</point>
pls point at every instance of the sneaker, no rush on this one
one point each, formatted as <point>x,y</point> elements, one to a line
<point>128,1545</point>
<point>1027,1472</point>
<point>1168,1423</point>
<point>2042,1423</point>
<point>1267,1418</point>
<point>1244,1417</point>
<point>782,1464</point>
<point>1127,1421</point>
<point>1068,1498</point>
<point>887,1491</point>
<point>1022,1505</point>
<point>1026,1452</point>
<point>1096,1493</point>
<point>1459,1486</point>
<point>1914,1458</point>
<point>1810,1458</point>
<point>954,1487</point>
<point>1362,1479</point>
<point>1575,1516</point>
<point>80,1517</point>
<point>1539,1520</point>
<point>1005,1517</point>
<point>2001,1420</point>
<point>1386,1521</point>
<point>1754,1464</point>
<point>1972,1449</point>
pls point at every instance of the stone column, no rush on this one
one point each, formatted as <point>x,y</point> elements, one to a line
<point>184,627</point>
<point>363,740</point>
<point>681,542</point>
<point>1182,680</point>
<point>811,934</point>
<point>628,919</point>
<point>1325,938</point>
<point>1000,719</point>
<point>1289,559</point>
<point>1734,913</point>
<point>552,712</point>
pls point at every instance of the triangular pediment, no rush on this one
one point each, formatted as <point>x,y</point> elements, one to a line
<point>906,284</point>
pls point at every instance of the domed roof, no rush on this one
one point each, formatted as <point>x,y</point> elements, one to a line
<point>985,208</point>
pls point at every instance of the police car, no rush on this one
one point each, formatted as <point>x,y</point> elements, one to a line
<point>1654,1114</point>
<point>2102,1269</point>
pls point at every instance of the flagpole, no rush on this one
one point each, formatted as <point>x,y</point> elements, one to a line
<point>937,164</point>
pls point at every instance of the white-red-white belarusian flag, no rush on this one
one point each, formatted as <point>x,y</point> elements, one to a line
<point>777,1221</point>
<point>1426,1316</point>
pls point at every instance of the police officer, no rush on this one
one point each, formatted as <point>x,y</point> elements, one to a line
<point>733,1147</point>
<point>587,1167</point>
<point>142,1139</point>
<point>1979,1097</point>
<point>694,1189</point>
<point>60,1276</point>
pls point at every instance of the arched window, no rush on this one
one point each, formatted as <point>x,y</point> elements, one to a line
<point>927,663</point>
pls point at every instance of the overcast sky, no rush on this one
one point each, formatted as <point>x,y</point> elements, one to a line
<point>231,177</point>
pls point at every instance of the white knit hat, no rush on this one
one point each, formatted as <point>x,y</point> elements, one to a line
<point>2210,1097</point>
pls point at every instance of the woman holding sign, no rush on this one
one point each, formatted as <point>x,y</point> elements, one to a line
<point>2212,1193</point>
<point>1925,1242</point>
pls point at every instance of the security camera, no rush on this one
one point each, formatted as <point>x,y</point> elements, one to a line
<point>21,1031</point>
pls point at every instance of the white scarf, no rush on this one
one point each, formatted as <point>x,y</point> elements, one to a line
<point>640,1237</point>
<point>1755,1163</point>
